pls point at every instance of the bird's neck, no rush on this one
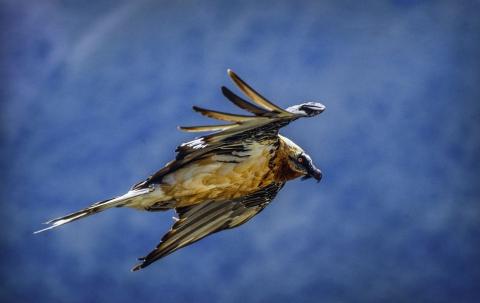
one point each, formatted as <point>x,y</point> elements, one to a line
<point>283,170</point>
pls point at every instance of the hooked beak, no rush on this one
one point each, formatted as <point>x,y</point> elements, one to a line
<point>313,172</point>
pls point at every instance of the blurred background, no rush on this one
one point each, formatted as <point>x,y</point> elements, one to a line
<point>92,93</point>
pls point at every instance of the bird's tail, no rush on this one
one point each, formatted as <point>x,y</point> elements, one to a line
<point>94,208</point>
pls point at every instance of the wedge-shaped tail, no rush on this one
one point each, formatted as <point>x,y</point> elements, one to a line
<point>94,208</point>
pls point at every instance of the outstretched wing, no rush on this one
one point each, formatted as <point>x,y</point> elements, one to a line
<point>200,220</point>
<point>231,138</point>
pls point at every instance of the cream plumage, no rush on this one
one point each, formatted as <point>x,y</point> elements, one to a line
<point>220,180</point>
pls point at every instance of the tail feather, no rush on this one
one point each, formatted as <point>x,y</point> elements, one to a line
<point>94,208</point>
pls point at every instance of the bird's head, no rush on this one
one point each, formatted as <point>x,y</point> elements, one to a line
<point>300,162</point>
<point>308,109</point>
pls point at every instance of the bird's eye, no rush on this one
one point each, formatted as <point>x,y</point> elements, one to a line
<point>300,160</point>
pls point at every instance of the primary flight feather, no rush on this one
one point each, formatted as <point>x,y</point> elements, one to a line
<point>223,179</point>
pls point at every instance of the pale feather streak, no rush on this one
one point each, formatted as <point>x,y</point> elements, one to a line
<point>221,115</point>
<point>206,128</point>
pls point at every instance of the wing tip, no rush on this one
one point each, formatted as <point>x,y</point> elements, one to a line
<point>197,108</point>
<point>42,230</point>
<point>137,267</point>
<point>232,74</point>
<point>207,128</point>
<point>144,263</point>
<point>184,129</point>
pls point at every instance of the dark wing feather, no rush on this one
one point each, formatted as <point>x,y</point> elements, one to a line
<point>256,97</point>
<point>221,115</point>
<point>243,104</point>
<point>198,221</point>
<point>206,128</point>
<point>230,138</point>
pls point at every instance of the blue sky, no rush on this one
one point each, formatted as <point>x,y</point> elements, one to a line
<point>93,93</point>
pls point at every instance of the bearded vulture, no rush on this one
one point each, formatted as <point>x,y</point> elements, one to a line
<point>222,179</point>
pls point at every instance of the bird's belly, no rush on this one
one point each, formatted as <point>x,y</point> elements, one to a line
<point>216,178</point>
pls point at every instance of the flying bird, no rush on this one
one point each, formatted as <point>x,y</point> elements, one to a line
<point>220,180</point>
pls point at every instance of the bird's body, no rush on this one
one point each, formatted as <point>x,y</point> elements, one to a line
<point>221,177</point>
<point>221,180</point>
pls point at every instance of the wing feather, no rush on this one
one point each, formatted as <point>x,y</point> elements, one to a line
<point>207,128</point>
<point>198,221</point>
<point>228,138</point>
<point>243,104</point>
<point>221,115</point>
<point>256,97</point>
